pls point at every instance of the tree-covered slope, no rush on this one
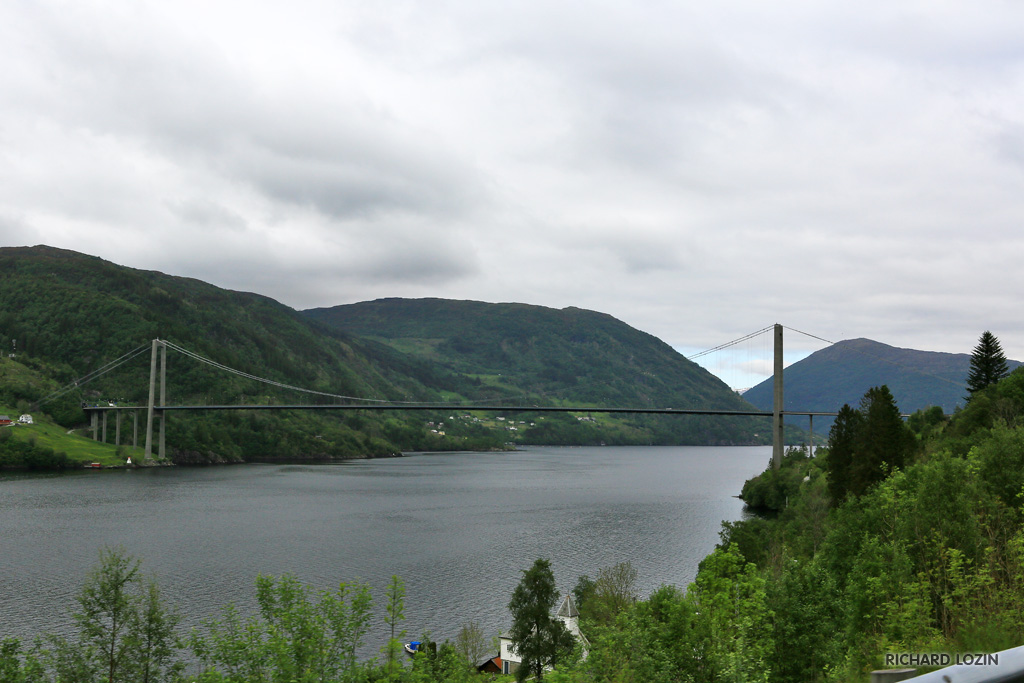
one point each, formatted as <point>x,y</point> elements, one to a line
<point>74,313</point>
<point>552,357</point>
<point>843,372</point>
<point>81,311</point>
<point>65,314</point>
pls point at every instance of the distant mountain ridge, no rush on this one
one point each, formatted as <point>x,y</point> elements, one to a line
<point>550,355</point>
<point>548,350</point>
<point>75,313</point>
<point>72,313</point>
<point>66,314</point>
<point>843,372</point>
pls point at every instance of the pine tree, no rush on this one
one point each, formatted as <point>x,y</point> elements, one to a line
<point>842,439</point>
<point>988,364</point>
<point>866,444</point>
<point>883,442</point>
<point>538,637</point>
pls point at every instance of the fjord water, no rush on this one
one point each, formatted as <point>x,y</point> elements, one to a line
<point>458,528</point>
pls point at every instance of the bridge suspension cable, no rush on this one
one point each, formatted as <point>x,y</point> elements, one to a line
<point>281,385</point>
<point>264,380</point>
<point>808,334</point>
<point>117,362</point>
<point>726,345</point>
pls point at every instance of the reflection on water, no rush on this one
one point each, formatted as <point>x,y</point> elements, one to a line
<point>458,528</point>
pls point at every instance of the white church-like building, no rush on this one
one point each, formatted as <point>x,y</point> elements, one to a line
<point>508,660</point>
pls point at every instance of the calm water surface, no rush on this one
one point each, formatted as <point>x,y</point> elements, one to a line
<point>458,528</point>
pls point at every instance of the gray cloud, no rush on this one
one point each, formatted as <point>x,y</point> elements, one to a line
<point>14,231</point>
<point>697,170</point>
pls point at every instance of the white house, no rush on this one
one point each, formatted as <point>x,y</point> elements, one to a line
<point>510,661</point>
<point>567,613</point>
<point>25,419</point>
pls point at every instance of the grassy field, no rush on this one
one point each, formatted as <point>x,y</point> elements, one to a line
<point>77,447</point>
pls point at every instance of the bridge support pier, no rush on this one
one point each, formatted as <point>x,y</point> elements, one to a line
<point>778,430</point>
<point>95,426</point>
<point>810,440</point>
<point>104,426</point>
<point>117,428</point>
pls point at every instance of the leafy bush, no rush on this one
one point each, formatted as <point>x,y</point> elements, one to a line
<point>771,490</point>
<point>27,455</point>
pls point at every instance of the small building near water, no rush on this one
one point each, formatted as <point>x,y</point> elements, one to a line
<point>5,420</point>
<point>508,659</point>
<point>489,665</point>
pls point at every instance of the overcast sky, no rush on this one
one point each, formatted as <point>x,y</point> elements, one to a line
<point>699,170</point>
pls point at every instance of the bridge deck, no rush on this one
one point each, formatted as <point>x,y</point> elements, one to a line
<point>442,407</point>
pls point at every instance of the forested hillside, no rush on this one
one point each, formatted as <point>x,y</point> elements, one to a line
<point>64,314</point>
<point>67,314</point>
<point>547,356</point>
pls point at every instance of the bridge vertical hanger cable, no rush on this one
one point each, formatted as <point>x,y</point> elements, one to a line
<point>728,344</point>
<point>88,377</point>
<point>281,385</point>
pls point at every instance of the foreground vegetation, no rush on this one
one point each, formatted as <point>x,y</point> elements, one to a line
<point>905,541</point>
<point>127,633</point>
<point>927,557</point>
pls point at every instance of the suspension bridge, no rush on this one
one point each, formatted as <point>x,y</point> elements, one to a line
<point>157,407</point>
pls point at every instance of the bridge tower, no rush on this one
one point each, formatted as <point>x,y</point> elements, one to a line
<point>159,348</point>
<point>778,430</point>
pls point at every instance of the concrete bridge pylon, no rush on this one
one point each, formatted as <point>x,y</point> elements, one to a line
<point>778,429</point>
<point>159,349</point>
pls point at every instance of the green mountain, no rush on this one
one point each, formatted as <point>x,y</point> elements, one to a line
<point>65,314</point>
<point>843,372</point>
<point>535,355</point>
